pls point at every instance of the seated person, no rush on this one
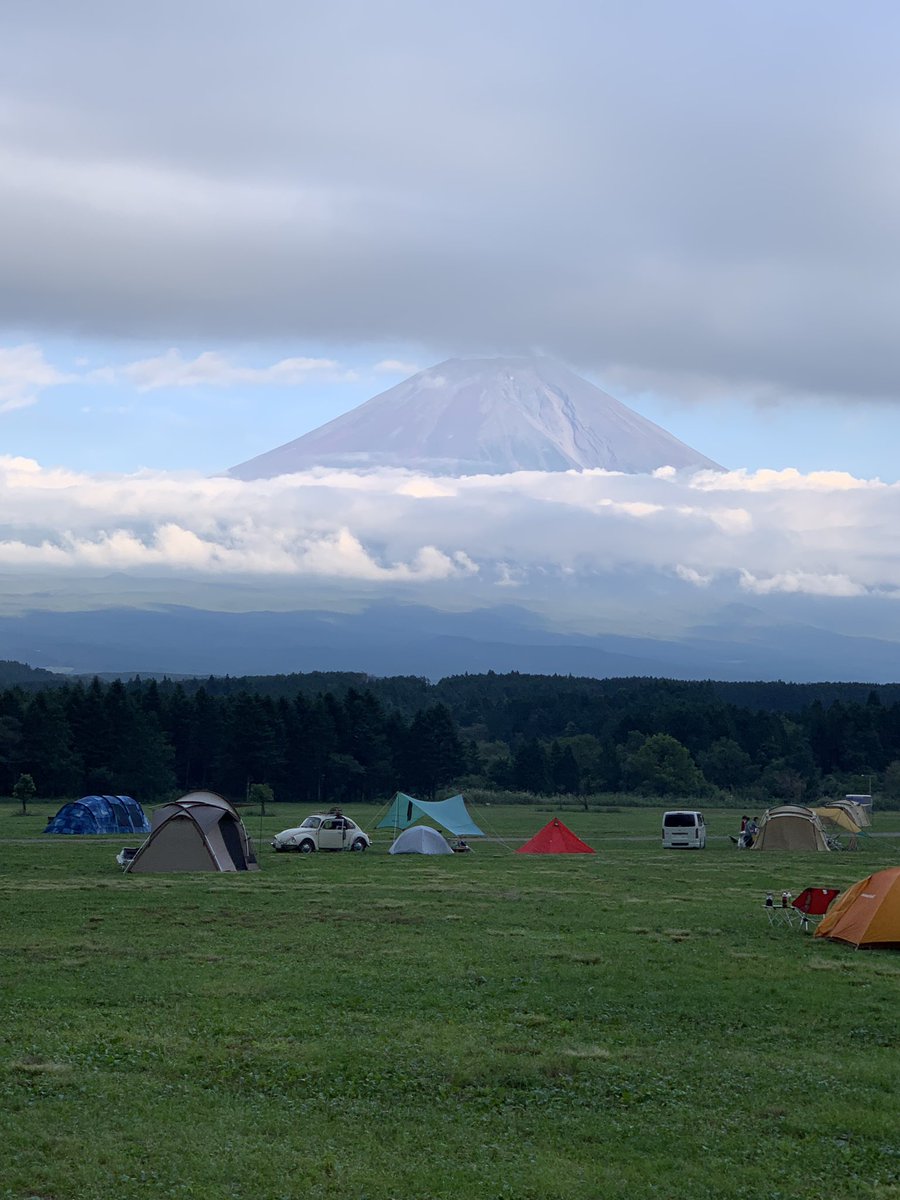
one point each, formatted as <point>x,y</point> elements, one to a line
<point>745,841</point>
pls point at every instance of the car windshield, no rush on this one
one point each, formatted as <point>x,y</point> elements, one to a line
<point>311,823</point>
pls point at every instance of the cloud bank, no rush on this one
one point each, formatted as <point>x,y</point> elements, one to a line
<point>756,534</point>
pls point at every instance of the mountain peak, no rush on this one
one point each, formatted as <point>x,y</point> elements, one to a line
<point>485,416</point>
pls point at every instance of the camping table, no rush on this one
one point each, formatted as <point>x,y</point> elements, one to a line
<point>780,914</point>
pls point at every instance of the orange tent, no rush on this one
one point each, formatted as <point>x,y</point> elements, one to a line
<point>868,914</point>
<point>555,838</point>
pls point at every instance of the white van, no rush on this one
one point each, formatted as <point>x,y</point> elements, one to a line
<point>683,828</point>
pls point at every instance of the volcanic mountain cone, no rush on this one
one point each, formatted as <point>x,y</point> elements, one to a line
<point>485,416</point>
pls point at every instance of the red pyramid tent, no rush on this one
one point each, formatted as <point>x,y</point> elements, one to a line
<point>555,838</point>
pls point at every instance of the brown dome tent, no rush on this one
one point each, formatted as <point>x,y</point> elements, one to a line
<point>199,832</point>
<point>555,838</point>
<point>790,827</point>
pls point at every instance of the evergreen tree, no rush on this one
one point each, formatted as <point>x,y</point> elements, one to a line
<point>91,734</point>
<point>366,743</point>
<point>254,744</point>
<point>434,753</point>
<point>530,768</point>
<point>47,753</point>
<point>565,775</point>
<point>10,751</point>
<point>207,742</point>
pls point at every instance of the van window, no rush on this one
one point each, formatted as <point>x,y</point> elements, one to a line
<point>680,820</point>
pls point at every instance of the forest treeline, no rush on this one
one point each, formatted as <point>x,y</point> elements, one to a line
<point>344,738</point>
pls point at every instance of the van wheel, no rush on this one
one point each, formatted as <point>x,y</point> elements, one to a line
<point>359,845</point>
<point>306,846</point>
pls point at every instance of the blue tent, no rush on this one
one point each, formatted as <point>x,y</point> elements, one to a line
<point>451,815</point>
<point>100,814</point>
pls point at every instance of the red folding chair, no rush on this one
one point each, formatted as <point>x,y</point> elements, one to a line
<point>812,904</point>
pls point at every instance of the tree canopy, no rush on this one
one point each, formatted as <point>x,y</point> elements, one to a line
<point>348,738</point>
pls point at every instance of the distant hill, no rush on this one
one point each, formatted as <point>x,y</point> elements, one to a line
<point>485,416</point>
<point>469,696</point>
<point>12,673</point>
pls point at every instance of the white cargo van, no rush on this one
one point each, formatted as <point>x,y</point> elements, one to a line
<point>683,828</point>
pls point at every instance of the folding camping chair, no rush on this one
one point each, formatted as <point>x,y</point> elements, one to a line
<point>812,905</point>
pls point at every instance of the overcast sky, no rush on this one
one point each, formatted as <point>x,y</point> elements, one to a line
<point>696,204</point>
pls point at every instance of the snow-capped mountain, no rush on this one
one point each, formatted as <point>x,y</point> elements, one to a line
<point>485,416</point>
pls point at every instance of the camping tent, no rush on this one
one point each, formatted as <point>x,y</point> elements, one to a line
<point>199,832</point>
<point>790,827</point>
<point>862,801</point>
<point>868,914</point>
<point>838,815</point>
<point>555,838</point>
<point>860,813</point>
<point>100,814</point>
<point>451,815</point>
<point>420,839</point>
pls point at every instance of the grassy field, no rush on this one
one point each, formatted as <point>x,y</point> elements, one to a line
<point>491,1025</point>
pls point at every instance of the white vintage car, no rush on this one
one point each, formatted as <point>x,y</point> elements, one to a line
<point>323,831</point>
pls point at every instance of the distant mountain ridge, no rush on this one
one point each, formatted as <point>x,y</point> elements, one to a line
<point>485,416</point>
<point>401,639</point>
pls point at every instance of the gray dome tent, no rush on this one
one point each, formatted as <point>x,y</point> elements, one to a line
<point>199,832</point>
<point>420,839</point>
<point>100,814</point>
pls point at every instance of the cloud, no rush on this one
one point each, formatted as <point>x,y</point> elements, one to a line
<point>551,537</point>
<point>802,581</point>
<point>211,369</point>
<point>24,373</point>
<point>689,575</point>
<point>395,366</point>
<point>790,479</point>
<point>171,546</point>
<point>412,182</point>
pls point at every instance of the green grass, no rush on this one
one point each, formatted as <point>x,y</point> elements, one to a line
<point>489,1025</point>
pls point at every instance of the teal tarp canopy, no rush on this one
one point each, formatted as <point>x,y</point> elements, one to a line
<point>451,815</point>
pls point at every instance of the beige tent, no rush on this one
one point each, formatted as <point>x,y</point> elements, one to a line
<point>790,827</point>
<point>862,804</point>
<point>836,814</point>
<point>199,832</point>
<point>858,813</point>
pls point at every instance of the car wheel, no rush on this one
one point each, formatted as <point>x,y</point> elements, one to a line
<point>359,845</point>
<point>306,846</point>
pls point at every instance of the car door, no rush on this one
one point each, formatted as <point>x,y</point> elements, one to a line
<point>331,834</point>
